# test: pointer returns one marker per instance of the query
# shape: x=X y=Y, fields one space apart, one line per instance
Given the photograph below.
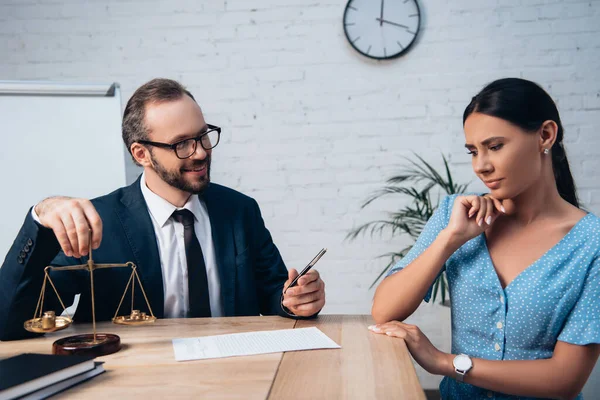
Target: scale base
x=106 y=343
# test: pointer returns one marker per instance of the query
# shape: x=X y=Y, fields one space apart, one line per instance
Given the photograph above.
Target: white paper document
x=249 y=343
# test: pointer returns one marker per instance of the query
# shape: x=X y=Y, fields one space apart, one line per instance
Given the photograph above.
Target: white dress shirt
x=171 y=249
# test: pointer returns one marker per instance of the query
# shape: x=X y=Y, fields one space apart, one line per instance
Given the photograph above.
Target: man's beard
x=176 y=178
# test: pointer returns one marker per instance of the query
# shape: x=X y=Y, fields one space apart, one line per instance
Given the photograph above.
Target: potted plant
x=419 y=182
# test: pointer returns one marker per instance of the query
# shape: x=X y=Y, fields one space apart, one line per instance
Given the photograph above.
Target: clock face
x=381 y=29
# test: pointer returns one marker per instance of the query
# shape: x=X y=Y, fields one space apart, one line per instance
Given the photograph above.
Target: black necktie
x=197 y=280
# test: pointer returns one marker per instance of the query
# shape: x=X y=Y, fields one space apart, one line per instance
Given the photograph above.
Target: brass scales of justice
x=96 y=344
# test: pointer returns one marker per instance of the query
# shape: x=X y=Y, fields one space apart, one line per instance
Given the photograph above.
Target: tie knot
x=186 y=217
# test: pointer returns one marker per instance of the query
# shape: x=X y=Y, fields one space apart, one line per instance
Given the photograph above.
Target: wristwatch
x=462 y=364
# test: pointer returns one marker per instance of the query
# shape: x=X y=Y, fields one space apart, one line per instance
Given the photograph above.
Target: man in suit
x=201 y=249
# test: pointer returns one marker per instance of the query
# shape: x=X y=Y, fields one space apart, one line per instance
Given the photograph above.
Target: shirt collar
x=161 y=210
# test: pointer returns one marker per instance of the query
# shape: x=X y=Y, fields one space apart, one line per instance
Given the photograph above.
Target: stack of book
x=37 y=376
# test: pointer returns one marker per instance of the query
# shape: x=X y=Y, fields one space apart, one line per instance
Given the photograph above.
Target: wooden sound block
x=105 y=343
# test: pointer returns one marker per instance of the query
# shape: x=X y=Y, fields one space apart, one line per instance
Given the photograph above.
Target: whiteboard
x=56 y=139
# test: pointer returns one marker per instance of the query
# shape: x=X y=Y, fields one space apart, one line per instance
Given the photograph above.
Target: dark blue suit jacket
x=250 y=267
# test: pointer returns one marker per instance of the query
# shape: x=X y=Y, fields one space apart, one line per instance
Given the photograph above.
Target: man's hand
x=307 y=297
x=72 y=220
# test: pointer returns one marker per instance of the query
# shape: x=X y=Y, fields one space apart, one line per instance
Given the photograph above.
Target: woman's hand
x=426 y=354
x=472 y=215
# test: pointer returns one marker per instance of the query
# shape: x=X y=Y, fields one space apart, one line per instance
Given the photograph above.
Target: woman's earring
x=546 y=151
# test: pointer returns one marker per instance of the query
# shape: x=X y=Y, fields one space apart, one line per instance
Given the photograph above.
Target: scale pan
x=35 y=325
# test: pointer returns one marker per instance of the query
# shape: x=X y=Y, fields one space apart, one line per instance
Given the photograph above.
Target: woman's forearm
x=399 y=295
x=532 y=378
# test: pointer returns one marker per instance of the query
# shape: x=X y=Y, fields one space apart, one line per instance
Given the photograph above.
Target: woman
x=522 y=263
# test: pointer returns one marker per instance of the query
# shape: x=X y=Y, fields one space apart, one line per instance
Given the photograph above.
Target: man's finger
x=292 y=274
x=61 y=235
x=71 y=230
x=296 y=301
x=311 y=308
x=83 y=230
x=310 y=276
x=304 y=289
x=94 y=222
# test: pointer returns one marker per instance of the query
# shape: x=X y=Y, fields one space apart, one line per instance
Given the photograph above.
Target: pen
x=306 y=269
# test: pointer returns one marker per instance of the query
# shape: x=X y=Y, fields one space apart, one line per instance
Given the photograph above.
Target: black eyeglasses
x=187 y=147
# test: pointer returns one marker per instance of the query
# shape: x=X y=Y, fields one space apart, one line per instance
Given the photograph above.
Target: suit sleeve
x=22 y=275
x=270 y=270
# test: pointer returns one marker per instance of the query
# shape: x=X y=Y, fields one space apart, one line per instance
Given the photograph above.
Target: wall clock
x=382 y=29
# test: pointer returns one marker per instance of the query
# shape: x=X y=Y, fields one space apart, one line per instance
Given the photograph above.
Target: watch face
x=462 y=362
x=381 y=29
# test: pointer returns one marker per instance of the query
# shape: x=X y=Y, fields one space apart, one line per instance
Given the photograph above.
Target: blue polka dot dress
x=555 y=298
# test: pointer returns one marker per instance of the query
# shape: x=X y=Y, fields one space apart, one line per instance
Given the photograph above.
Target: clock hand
x=381 y=21
x=381 y=15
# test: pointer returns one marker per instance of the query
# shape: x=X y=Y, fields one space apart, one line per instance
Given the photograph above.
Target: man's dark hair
x=156 y=91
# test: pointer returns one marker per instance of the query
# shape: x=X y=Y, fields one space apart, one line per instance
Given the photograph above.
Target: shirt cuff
x=34 y=215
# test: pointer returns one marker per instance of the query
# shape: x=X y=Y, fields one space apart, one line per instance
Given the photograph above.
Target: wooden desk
x=368 y=366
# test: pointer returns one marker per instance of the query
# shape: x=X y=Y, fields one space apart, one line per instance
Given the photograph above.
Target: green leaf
x=436 y=286
x=393 y=259
x=416 y=183
x=441 y=277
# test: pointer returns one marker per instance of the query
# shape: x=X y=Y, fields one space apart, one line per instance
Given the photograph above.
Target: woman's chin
x=498 y=194
x=506 y=198
x=508 y=204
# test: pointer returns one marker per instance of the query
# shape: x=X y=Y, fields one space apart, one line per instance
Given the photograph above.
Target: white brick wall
x=310 y=128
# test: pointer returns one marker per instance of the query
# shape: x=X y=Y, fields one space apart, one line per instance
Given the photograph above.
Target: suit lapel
x=222 y=235
x=139 y=231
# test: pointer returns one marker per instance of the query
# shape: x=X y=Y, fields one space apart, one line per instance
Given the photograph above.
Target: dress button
x=23 y=254
x=497 y=347
x=490 y=394
x=26 y=248
x=499 y=325
x=501 y=299
x=29 y=242
x=20 y=260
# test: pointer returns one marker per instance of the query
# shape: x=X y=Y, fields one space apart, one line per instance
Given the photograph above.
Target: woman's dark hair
x=526 y=105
